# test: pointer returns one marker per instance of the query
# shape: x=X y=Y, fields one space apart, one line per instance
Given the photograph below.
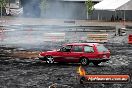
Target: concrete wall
x=65 y=10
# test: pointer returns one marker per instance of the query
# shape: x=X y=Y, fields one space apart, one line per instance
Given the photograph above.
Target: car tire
x=49 y=59
x=96 y=63
x=84 y=61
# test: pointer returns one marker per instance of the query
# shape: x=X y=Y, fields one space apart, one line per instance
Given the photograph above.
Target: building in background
x=13 y=4
x=14 y=7
x=31 y=8
x=116 y=9
x=56 y=9
x=66 y=9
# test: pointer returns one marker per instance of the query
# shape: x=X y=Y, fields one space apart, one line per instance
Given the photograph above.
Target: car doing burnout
x=83 y=53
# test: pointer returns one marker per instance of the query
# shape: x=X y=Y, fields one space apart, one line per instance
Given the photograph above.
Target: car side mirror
x=59 y=50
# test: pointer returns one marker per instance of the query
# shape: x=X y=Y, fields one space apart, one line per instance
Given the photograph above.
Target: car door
x=64 y=51
x=58 y=56
x=75 y=54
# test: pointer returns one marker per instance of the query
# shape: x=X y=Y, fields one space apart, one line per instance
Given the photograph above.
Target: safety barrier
x=97 y=38
x=130 y=39
x=54 y=37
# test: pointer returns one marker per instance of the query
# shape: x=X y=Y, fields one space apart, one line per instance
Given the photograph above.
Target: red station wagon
x=83 y=53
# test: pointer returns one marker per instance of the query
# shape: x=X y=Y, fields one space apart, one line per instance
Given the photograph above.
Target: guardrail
x=130 y=39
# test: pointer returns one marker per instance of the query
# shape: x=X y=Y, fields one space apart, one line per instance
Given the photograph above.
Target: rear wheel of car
x=84 y=61
x=49 y=59
x=96 y=63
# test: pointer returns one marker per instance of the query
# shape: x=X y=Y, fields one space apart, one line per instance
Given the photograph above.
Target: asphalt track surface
x=16 y=72
x=26 y=72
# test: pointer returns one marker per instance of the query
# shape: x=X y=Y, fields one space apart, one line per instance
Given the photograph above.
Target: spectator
x=112 y=18
x=117 y=18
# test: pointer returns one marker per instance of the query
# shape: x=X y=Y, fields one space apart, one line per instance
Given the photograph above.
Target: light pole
x=1 y=21
x=9 y=2
x=1 y=10
x=124 y=18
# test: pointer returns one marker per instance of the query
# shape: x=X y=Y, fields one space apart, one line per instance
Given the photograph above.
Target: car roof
x=90 y=44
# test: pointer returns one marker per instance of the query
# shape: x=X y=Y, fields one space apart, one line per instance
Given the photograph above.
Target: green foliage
x=43 y=5
x=89 y=6
x=3 y=3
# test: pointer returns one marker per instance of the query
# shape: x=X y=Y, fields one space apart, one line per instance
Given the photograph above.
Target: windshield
x=101 y=48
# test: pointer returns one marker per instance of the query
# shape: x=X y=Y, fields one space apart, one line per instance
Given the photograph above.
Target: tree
x=89 y=7
x=43 y=5
x=3 y=4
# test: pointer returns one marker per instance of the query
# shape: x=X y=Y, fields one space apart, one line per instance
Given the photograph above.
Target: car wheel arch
x=48 y=55
x=83 y=57
x=84 y=61
x=49 y=60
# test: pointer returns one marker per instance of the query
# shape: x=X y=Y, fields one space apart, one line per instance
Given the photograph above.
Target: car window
x=101 y=48
x=66 y=48
x=77 y=48
x=88 y=49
